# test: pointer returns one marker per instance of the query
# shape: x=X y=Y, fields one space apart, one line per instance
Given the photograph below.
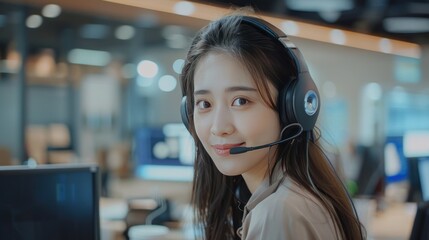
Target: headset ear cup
x=293 y=105
x=282 y=107
x=184 y=112
x=286 y=106
x=306 y=102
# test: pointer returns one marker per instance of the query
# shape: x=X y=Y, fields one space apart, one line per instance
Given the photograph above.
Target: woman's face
x=229 y=112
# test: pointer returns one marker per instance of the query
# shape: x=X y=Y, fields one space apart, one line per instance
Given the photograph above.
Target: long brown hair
x=216 y=206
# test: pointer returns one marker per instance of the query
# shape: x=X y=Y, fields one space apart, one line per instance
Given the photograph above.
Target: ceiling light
x=338 y=37
x=34 y=21
x=184 y=8
x=373 y=91
x=415 y=143
x=51 y=11
x=178 y=65
x=89 y=57
x=306 y=30
x=167 y=83
x=290 y=27
x=317 y=5
x=147 y=68
x=125 y=32
x=406 y=24
x=385 y=45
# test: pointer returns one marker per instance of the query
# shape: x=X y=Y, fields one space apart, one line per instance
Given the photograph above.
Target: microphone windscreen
x=238 y=150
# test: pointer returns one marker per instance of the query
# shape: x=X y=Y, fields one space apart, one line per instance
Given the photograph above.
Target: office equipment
x=419 y=179
x=49 y=202
x=420 y=230
x=395 y=163
x=416 y=149
x=416 y=143
x=370 y=179
x=164 y=153
x=424 y=177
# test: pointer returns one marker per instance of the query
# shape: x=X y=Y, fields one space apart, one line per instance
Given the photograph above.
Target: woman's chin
x=229 y=169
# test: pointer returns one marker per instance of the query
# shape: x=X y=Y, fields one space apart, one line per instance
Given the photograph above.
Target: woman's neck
x=255 y=177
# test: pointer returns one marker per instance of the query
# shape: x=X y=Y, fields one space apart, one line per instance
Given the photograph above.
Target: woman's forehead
x=220 y=69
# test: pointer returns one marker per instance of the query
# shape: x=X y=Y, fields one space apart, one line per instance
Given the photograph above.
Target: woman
x=259 y=170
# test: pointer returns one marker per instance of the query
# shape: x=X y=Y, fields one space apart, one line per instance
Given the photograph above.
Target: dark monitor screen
x=370 y=180
x=423 y=166
x=420 y=230
x=419 y=179
x=49 y=202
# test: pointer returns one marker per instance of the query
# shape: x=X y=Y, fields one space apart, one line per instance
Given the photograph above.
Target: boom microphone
x=238 y=150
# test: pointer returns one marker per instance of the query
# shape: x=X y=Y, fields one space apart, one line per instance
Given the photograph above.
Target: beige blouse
x=283 y=210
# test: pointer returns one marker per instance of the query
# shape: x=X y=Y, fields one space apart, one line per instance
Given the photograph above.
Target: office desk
x=112 y=223
x=112 y=214
x=395 y=223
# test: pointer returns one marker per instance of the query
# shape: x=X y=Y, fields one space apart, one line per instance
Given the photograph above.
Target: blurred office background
x=97 y=81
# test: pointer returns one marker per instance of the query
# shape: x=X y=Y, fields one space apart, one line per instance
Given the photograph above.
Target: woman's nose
x=221 y=123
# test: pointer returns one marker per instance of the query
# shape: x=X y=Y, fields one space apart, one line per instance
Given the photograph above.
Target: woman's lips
x=223 y=149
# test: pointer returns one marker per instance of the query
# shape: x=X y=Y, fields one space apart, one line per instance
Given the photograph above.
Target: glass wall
x=87 y=82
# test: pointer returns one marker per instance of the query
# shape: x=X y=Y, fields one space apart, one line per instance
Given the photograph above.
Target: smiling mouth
x=223 y=150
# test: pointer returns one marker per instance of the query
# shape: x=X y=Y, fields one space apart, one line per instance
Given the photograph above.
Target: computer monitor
x=420 y=230
x=418 y=179
x=416 y=149
x=395 y=162
x=164 y=153
x=424 y=177
x=370 y=180
x=49 y=202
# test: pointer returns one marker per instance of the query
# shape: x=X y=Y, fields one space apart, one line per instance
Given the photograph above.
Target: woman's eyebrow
x=241 y=88
x=230 y=89
x=201 y=92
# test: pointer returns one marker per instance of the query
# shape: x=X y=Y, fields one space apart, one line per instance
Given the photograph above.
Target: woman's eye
x=203 y=104
x=240 y=101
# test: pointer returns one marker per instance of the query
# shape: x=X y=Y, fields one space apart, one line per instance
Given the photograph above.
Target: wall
x=349 y=69
x=9 y=115
x=47 y=104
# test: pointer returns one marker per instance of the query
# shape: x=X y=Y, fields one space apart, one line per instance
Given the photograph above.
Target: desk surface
x=394 y=223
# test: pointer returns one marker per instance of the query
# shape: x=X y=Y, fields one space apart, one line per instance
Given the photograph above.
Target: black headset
x=299 y=101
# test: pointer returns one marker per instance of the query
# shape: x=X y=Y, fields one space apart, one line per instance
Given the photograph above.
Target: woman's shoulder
x=292 y=201
x=300 y=214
